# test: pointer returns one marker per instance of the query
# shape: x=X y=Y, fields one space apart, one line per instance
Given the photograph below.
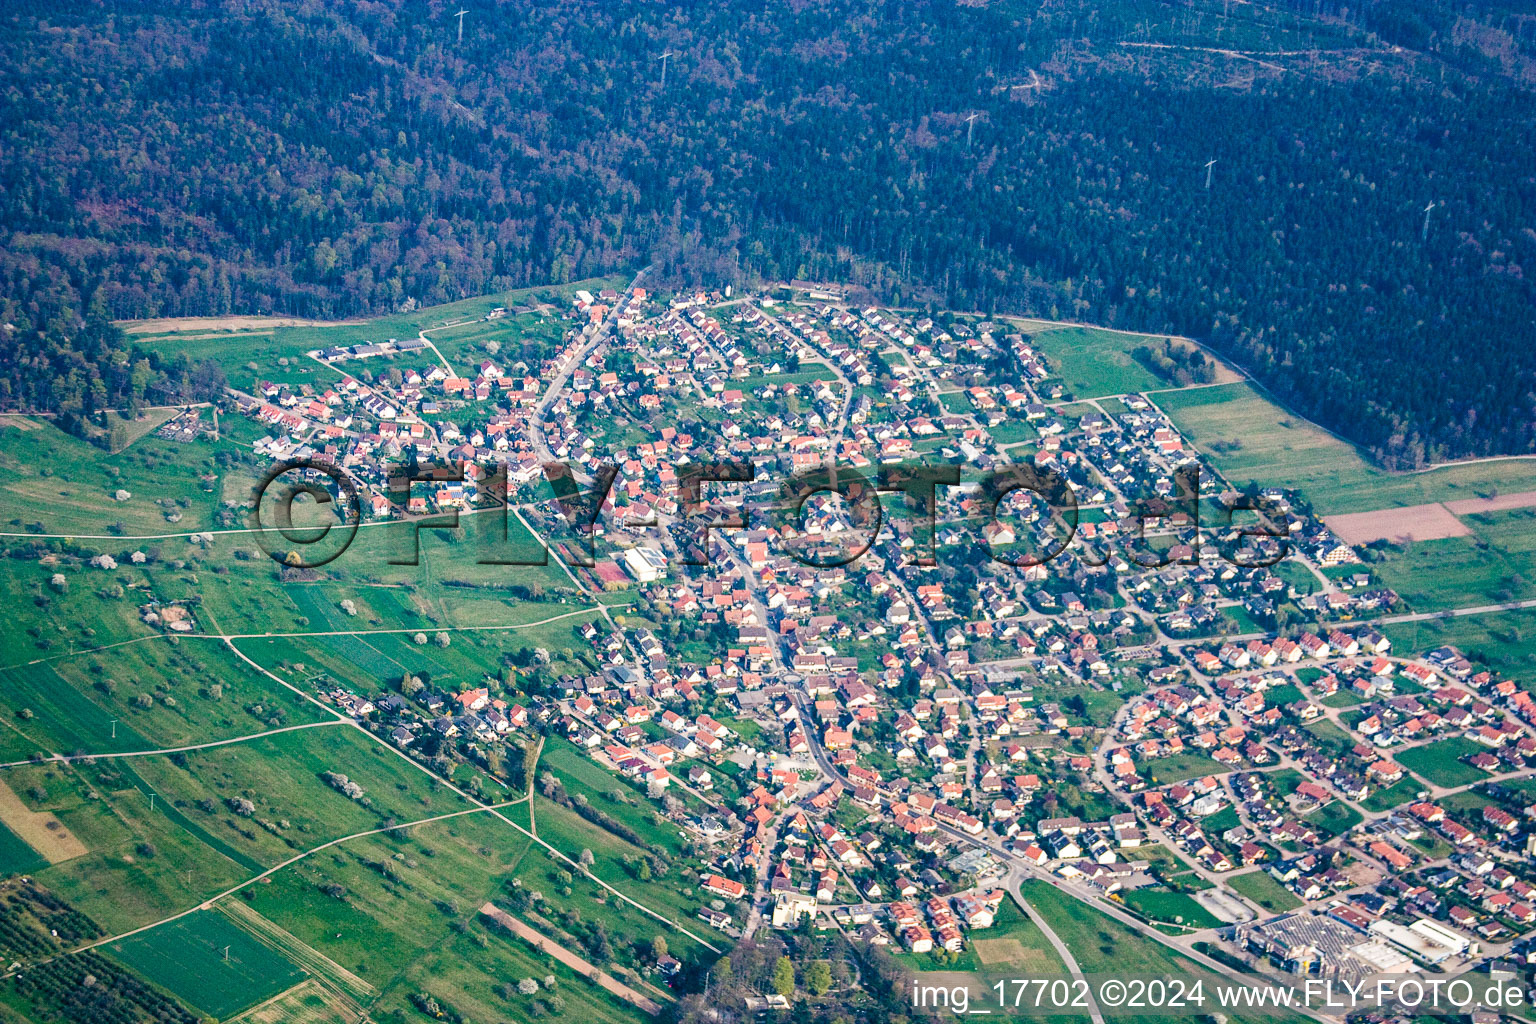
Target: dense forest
x=328 y=159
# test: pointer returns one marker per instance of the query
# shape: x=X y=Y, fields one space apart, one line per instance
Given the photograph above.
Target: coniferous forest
x=330 y=159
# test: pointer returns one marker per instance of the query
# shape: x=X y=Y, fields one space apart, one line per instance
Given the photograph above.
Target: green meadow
x=208 y=962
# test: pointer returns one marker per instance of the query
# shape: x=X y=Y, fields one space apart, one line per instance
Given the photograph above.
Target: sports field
x=210 y=963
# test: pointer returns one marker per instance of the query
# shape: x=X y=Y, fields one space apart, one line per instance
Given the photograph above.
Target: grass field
x=309 y=1003
x=569 y=833
x=1438 y=762
x=266 y=345
x=1504 y=641
x=68 y=485
x=1103 y=945
x=476 y=974
x=404 y=919
x=198 y=692
x=1495 y=565
x=1093 y=362
x=1178 y=767
x=133 y=429
x=146 y=863
x=1398 y=793
x=16 y=857
x=1248 y=437
x=1263 y=890
x=1163 y=860
x=1171 y=907
x=610 y=795
x=240 y=591
x=1467 y=802
x=1329 y=734
x=1335 y=819
x=529 y=338
x=1014 y=944
x=280 y=775
x=208 y=962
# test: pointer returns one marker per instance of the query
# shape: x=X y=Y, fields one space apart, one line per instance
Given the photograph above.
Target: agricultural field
x=208 y=962
x=395 y=915
x=233 y=343
x=16 y=857
x=164 y=692
x=1248 y=437
x=160 y=834
x=476 y=973
x=308 y=1003
x=33 y=838
x=615 y=861
x=1494 y=563
x=248 y=356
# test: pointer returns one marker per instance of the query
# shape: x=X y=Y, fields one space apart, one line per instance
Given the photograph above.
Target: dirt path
x=545 y=945
x=1473 y=506
x=70 y=758
x=166 y=325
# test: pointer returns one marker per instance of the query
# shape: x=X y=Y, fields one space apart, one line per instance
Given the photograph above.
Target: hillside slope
x=338 y=159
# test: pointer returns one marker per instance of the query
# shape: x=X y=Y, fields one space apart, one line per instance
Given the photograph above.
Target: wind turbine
x=1424 y=235
x=970 y=125
x=460 y=16
x=1208 y=165
x=663 y=59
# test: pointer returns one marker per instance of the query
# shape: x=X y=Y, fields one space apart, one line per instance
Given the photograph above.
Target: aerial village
x=890 y=743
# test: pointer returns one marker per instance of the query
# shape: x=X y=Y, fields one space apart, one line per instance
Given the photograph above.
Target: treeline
x=1183 y=365
x=74 y=365
x=337 y=160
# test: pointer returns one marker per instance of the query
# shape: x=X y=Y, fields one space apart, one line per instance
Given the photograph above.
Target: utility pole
x=114 y=728
x=663 y=59
x=970 y=125
x=1208 y=165
x=1424 y=235
x=151 y=803
x=460 y=16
